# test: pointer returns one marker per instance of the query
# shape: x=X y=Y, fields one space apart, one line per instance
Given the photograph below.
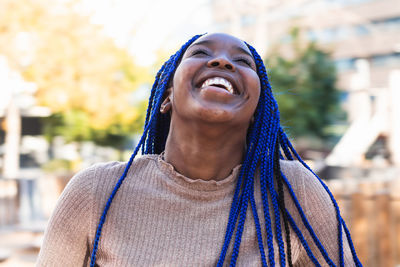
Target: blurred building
x=363 y=37
x=20 y=122
x=350 y=29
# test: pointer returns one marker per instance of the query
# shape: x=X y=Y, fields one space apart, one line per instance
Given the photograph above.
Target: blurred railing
x=371 y=209
x=26 y=201
x=9 y=202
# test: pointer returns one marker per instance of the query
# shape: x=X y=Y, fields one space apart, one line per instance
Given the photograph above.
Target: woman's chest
x=171 y=233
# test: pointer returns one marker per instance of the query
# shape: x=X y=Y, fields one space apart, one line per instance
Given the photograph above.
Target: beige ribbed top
x=161 y=218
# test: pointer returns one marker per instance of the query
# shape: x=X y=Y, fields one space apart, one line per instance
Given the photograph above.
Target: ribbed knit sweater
x=162 y=218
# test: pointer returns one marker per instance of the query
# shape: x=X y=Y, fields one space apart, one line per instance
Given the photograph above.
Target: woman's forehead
x=222 y=39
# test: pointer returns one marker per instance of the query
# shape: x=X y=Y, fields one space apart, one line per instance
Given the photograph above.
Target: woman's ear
x=167 y=103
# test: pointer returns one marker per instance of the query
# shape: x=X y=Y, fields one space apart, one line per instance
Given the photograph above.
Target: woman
x=212 y=187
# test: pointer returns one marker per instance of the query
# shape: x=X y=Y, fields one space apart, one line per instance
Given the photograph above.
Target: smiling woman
x=214 y=159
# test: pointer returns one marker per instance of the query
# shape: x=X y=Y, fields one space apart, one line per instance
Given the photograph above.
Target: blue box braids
x=265 y=140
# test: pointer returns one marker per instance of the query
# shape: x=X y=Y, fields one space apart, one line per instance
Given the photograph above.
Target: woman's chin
x=216 y=114
x=215 y=111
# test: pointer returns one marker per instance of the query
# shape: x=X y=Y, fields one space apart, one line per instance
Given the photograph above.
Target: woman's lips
x=219 y=82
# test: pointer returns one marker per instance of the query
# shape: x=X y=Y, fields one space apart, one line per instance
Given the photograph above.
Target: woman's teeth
x=219 y=81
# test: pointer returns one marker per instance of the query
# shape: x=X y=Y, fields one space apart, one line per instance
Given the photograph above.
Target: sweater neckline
x=197 y=184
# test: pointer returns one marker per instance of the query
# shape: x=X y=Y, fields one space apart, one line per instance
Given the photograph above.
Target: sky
x=147 y=26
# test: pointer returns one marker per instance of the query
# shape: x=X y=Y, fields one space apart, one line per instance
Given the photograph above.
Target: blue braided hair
x=266 y=144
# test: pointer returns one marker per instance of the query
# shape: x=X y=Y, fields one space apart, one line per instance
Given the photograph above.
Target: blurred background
x=75 y=76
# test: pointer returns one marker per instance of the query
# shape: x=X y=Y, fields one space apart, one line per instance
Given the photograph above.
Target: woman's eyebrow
x=204 y=42
x=243 y=51
x=210 y=42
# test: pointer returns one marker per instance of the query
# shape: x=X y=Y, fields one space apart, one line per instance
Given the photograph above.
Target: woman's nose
x=221 y=62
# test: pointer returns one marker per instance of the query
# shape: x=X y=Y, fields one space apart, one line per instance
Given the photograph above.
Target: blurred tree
x=82 y=76
x=304 y=85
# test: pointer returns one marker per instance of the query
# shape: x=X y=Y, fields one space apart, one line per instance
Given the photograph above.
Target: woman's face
x=216 y=81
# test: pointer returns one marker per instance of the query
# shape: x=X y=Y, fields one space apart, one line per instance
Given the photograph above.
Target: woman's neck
x=207 y=154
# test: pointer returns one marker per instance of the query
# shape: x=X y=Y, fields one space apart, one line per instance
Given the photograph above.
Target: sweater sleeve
x=321 y=214
x=66 y=237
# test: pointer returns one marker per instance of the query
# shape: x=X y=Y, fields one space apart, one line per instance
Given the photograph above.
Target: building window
x=361 y=30
x=345 y=64
x=389 y=60
x=311 y=35
x=328 y=35
x=387 y=24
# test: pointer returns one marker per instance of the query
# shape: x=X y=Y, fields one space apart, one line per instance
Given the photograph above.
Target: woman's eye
x=199 y=52
x=244 y=60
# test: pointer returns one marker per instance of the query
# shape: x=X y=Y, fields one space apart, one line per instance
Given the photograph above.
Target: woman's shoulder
x=77 y=211
x=291 y=167
x=295 y=171
x=309 y=189
x=117 y=166
x=111 y=167
x=306 y=185
x=296 y=174
x=104 y=174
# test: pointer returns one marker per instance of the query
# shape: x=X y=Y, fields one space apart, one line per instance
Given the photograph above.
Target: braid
x=265 y=139
x=278 y=177
x=270 y=118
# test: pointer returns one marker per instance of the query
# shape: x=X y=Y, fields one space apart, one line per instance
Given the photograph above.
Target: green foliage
x=58 y=165
x=304 y=86
x=74 y=125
